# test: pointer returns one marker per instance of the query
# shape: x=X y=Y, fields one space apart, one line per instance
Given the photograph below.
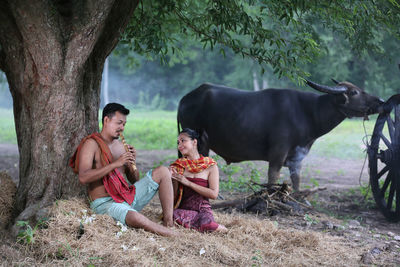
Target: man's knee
x=161 y=173
x=133 y=219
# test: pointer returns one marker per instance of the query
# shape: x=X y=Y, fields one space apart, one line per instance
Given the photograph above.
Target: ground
x=340 y=209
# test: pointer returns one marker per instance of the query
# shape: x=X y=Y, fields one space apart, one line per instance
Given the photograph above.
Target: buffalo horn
x=333 y=80
x=327 y=89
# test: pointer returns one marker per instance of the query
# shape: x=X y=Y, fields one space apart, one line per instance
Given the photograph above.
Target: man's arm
x=88 y=172
x=132 y=175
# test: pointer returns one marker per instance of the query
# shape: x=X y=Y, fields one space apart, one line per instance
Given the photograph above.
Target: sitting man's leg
x=158 y=179
x=126 y=214
x=137 y=220
x=146 y=188
x=162 y=176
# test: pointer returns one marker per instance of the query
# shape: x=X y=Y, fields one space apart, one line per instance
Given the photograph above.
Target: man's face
x=115 y=125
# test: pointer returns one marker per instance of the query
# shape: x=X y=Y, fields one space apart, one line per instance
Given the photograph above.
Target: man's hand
x=126 y=158
x=133 y=151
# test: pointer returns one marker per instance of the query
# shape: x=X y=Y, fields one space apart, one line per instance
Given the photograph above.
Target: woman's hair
x=202 y=140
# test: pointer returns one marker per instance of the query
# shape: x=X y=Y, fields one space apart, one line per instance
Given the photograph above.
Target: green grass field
x=152 y=129
x=347 y=140
x=7 y=128
x=158 y=130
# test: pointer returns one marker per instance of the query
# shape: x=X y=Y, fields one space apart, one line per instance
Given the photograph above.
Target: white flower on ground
x=202 y=251
x=124 y=247
x=123 y=227
x=87 y=219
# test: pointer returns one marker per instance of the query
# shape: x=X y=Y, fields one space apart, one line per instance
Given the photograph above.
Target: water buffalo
x=275 y=125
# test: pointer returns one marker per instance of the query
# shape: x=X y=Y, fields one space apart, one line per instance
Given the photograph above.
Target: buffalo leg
x=273 y=174
x=295 y=175
x=275 y=165
x=294 y=169
x=293 y=162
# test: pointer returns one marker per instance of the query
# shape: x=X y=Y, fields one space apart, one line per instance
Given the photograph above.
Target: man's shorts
x=146 y=188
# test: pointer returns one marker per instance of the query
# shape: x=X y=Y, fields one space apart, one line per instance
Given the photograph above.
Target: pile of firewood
x=270 y=199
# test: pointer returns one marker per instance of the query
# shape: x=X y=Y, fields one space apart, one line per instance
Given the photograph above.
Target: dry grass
x=250 y=241
x=7 y=192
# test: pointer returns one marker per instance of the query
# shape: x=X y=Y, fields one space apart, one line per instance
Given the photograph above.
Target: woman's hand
x=179 y=177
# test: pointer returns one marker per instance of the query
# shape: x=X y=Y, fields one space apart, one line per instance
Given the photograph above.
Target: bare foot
x=168 y=231
x=174 y=233
x=221 y=229
x=169 y=224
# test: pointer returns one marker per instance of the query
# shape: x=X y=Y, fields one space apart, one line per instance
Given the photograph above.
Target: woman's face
x=186 y=145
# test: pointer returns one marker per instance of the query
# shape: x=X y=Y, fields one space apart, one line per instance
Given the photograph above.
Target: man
x=101 y=160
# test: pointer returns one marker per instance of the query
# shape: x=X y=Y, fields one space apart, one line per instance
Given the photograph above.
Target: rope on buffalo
x=366 y=143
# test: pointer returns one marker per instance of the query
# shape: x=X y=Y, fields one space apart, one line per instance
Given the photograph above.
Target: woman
x=195 y=179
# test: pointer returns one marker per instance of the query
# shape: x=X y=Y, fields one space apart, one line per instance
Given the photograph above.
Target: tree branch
x=221 y=40
x=105 y=20
x=267 y=46
x=116 y=23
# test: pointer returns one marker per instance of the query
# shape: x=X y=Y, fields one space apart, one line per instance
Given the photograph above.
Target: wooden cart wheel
x=385 y=173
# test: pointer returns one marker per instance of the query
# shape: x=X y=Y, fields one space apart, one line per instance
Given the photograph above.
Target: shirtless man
x=91 y=170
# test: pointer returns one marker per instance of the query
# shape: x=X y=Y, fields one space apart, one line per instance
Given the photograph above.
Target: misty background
x=144 y=82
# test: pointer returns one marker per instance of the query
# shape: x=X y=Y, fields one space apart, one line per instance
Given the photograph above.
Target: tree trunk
x=53 y=54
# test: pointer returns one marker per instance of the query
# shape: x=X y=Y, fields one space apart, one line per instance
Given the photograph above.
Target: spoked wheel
x=384 y=160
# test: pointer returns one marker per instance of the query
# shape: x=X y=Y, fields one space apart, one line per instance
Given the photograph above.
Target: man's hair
x=110 y=109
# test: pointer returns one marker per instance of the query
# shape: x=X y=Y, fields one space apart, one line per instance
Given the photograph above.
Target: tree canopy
x=282 y=34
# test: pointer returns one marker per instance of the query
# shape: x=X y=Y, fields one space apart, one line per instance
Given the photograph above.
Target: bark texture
x=53 y=52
